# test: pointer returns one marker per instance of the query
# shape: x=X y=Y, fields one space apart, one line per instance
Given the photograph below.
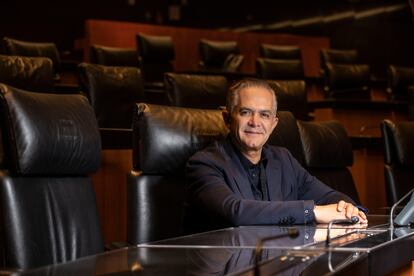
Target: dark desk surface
x=374 y=250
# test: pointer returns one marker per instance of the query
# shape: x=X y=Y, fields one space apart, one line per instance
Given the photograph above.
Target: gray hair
x=234 y=91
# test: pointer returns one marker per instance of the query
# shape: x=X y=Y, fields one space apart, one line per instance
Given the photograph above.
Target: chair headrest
x=28 y=73
x=344 y=76
x=214 y=53
x=279 y=69
x=155 y=48
x=196 y=91
x=112 y=92
x=398 y=142
x=166 y=137
x=48 y=134
x=113 y=56
x=280 y=51
x=325 y=144
x=339 y=56
x=399 y=78
x=32 y=49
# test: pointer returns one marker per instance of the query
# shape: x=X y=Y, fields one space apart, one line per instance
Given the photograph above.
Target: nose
x=254 y=119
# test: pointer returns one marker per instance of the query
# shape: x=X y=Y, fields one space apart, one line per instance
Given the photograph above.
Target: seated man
x=242 y=181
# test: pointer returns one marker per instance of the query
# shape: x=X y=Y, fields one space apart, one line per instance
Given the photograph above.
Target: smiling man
x=243 y=181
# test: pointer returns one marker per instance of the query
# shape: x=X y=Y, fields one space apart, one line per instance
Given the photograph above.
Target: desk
x=372 y=250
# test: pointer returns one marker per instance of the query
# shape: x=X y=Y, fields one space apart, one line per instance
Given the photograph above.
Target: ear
x=226 y=117
x=275 y=121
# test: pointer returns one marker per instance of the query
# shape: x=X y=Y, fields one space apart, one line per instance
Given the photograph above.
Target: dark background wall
x=382 y=31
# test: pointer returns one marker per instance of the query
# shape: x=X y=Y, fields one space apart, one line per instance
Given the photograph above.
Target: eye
x=265 y=114
x=245 y=112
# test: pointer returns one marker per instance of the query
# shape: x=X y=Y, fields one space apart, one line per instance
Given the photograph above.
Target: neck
x=253 y=156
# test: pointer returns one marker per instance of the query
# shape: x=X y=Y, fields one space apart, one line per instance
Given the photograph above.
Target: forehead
x=256 y=97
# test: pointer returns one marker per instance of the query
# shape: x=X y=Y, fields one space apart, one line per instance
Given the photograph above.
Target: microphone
x=291 y=233
x=352 y=220
x=406 y=213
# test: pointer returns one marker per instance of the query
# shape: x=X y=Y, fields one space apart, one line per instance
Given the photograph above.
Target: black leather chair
x=33 y=49
x=291 y=96
x=114 y=56
x=278 y=69
x=196 y=91
x=27 y=73
x=337 y=56
x=284 y=52
x=48 y=211
x=399 y=158
x=164 y=138
x=328 y=154
x=156 y=56
x=347 y=81
x=112 y=92
x=400 y=80
x=219 y=56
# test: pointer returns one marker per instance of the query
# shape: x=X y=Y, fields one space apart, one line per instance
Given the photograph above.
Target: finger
x=351 y=211
x=341 y=205
x=363 y=216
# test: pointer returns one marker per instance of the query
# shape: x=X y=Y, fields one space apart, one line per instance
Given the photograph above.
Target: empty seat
x=156 y=55
x=27 y=73
x=112 y=92
x=400 y=80
x=291 y=96
x=114 y=56
x=48 y=211
x=398 y=157
x=338 y=56
x=278 y=69
x=32 y=49
x=280 y=52
x=219 y=56
x=328 y=154
x=196 y=91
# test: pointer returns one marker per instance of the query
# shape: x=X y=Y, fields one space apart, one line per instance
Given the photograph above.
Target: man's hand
x=341 y=210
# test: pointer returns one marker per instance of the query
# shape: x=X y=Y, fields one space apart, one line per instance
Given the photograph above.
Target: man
x=242 y=181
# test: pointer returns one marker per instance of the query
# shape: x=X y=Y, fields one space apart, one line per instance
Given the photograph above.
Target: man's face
x=253 y=119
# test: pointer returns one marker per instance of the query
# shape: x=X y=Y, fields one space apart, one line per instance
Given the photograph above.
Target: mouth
x=250 y=132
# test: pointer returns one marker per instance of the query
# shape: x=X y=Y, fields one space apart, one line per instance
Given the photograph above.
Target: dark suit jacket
x=219 y=192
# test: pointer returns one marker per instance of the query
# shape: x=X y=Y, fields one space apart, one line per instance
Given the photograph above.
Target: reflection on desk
x=232 y=251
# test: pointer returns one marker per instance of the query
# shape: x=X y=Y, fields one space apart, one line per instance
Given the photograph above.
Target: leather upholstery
x=32 y=49
x=291 y=96
x=280 y=52
x=399 y=80
x=196 y=91
x=398 y=158
x=328 y=153
x=164 y=138
x=338 y=56
x=113 y=56
x=28 y=73
x=347 y=80
x=157 y=54
x=112 y=92
x=47 y=203
x=215 y=53
x=278 y=69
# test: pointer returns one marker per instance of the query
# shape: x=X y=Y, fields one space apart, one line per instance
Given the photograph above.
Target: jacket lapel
x=274 y=177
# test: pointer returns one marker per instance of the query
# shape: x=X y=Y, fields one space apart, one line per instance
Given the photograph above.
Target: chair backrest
x=328 y=154
x=165 y=137
x=48 y=210
x=398 y=157
x=399 y=80
x=27 y=73
x=32 y=49
x=113 y=56
x=112 y=92
x=338 y=56
x=291 y=96
x=156 y=54
x=278 y=69
x=219 y=55
x=196 y=91
x=347 y=81
x=280 y=51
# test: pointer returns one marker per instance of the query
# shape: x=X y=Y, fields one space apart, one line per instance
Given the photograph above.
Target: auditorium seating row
x=344 y=76
x=51 y=144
